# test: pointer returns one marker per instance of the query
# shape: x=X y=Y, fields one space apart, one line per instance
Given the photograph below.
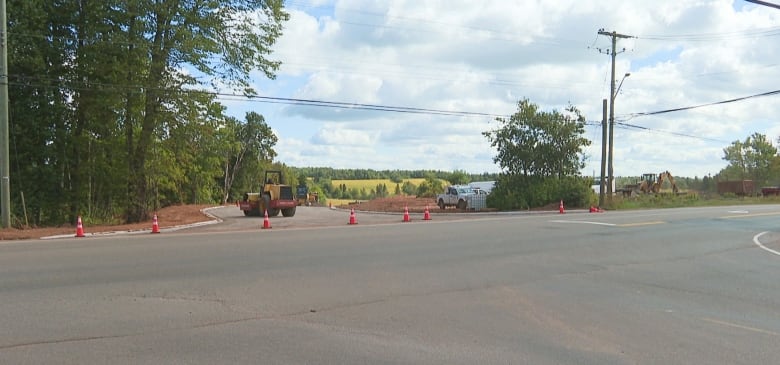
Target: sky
x=479 y=59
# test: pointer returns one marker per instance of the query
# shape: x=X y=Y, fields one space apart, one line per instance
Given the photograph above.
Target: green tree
x=538 y=143
x=430 y=187
x=751 y=159
x=541 y=155
x=103 y=104
x=253 y=140
x=223 y=40
x=459 y=177
x=408 y=188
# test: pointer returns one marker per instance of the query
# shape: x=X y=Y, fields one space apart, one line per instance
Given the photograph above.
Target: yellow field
x=337 y=202
x=370 y=184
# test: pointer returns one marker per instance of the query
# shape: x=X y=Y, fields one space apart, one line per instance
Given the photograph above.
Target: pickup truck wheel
x=441 y=204
x=462 y=204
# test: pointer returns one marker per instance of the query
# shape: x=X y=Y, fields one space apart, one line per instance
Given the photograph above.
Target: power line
x=281 y=100
x=714 y=37
x=769 y=93
x=494 y=34
x=353 y=106
x=633 y=126
x=759 y=2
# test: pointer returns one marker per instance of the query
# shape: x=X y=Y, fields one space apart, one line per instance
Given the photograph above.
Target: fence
x=478 y=202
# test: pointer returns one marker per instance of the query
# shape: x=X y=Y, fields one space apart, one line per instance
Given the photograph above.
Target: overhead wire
x=715 y=37
x=678 y=134
x=271 y=99
x=768 y=32
x=734 y=100
x=408 y=110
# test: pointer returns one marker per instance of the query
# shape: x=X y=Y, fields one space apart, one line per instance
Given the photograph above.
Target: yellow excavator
x=651 y=183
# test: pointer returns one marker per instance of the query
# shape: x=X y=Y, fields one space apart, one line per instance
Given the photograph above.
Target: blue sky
x=457 y=56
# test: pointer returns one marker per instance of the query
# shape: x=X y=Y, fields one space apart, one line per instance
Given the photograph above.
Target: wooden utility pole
x=613 y=52
x=5 y=181
x=603 y=184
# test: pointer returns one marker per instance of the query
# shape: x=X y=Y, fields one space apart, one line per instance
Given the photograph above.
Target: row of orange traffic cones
x=80 y=226
x=592 y=209
x=406 y=219
x=352 y=219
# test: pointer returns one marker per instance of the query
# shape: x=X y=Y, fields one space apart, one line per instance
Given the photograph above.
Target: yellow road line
x=640 y=224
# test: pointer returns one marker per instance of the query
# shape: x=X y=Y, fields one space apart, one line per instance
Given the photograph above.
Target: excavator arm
x=667 y=175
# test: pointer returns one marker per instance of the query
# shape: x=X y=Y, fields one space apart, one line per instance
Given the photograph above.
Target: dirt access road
x=378 y=211
x=233 y=218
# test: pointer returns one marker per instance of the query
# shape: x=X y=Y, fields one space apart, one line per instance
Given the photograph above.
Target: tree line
x=108 y=114
x=397 y=176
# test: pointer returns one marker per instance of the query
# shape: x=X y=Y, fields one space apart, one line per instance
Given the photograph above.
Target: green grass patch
x=646 y=201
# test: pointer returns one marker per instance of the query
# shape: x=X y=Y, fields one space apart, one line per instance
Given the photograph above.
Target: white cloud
x=484 y=57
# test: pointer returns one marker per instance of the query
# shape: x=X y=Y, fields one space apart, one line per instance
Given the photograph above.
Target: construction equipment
x=737 y=187
x=307 y=198
x=650 y=184
x=275 y=197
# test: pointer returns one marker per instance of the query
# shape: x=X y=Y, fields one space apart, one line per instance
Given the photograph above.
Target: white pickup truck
x=455 y=196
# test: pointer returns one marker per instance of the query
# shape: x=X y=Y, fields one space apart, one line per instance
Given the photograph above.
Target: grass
x=686 y=200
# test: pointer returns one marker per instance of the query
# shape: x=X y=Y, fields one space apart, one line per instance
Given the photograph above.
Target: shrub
x=525 y=192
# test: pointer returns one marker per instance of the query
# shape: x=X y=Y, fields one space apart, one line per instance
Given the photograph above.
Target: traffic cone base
x=155 y=225
x=352 y=218
x=266 y=221
x=79 y=228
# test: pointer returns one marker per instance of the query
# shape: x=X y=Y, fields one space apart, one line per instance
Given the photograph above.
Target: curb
x=214 y=220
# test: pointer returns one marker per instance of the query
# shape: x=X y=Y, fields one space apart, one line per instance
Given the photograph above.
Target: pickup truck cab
x=455 y=196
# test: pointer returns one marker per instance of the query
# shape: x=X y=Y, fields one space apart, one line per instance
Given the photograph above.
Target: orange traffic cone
x=427 y=214
x=79 y=228
x=560 y=208
x=266 y=222
x=406 y=214
x=155 y=224
x=352 y=218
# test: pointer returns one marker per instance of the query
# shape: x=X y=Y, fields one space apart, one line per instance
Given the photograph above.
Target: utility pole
x=5 y=161
x=603 y=183
x=613 y=52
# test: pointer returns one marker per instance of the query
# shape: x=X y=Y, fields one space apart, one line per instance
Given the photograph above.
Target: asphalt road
x=233 y=219
x=676 y=286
